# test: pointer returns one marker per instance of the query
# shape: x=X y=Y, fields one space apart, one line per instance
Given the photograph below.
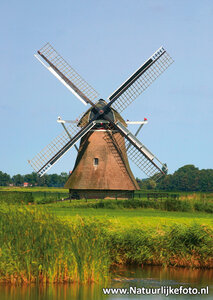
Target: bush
x=207 y=207
x=177 y=205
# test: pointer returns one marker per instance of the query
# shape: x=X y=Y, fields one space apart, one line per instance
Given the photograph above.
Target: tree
x=206 y=180
x=44 y=180
x=151 y=184
x=186 y=178
x=31 y=178
x=165 y=183
x=4 y=179
x=18 y=179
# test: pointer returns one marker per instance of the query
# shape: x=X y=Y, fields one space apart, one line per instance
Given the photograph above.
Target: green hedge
x=177 y=205
x=16 y=197
x=29 y=197
x=207 y=207
x=169 y=204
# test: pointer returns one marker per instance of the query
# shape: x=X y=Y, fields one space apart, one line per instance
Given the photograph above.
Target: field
x=135 y=217
x=82 y=240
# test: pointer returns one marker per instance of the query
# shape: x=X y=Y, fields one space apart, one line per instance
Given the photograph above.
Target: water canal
x=147 y=277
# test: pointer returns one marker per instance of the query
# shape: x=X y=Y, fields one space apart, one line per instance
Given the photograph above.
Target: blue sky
x=106 y=41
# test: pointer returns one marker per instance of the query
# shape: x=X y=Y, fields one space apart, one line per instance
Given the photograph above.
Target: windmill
x=101 y=168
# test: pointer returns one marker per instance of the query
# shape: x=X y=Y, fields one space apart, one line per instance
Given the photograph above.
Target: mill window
x=95 y=162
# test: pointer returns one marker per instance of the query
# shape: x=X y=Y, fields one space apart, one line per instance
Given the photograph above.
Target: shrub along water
x=175 y=245
x=35 y=246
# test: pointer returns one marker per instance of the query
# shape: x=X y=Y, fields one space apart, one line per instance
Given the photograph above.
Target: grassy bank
x=149 y=236
x=37 y=246
x=175 y=245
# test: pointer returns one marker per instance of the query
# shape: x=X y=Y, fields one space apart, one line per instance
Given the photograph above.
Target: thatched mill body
x=102 y=168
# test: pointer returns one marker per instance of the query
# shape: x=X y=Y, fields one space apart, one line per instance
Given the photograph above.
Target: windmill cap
x=110 y=112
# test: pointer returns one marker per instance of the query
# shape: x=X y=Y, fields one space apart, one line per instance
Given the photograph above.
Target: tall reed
x=35 y=246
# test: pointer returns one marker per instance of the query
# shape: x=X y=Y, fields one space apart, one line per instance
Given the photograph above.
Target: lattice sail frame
x=79 y=87
x=142 y=162
x=140 y=80
x=42 y=158
x=144 y=159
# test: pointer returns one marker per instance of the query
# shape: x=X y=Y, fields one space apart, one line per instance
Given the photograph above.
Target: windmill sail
x=140 y=154
x=45 y=159
x=140 y=80
x=122 y=141
x=67 y=75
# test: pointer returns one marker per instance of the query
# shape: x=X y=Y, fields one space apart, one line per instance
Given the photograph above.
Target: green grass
x=134 y=217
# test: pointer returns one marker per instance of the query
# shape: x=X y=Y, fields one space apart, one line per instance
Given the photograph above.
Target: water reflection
x=184 y=275
x=155 y=277
x=123 y=277
x=51 y=292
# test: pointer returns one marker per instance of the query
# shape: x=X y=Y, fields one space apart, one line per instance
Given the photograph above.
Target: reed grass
x=36 y=246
